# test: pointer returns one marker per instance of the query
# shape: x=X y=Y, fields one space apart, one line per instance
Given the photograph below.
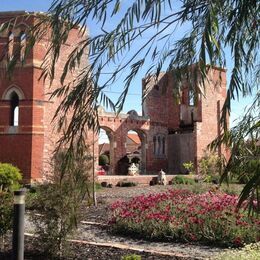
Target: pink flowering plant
x=180 y=215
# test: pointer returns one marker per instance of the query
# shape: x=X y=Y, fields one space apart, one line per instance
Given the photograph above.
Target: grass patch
x=198 y=188
x=131 y=257
x=249 y=252
x=183 y=180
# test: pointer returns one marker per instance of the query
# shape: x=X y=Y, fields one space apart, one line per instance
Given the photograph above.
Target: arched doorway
x=106 y=146
x=135 y=145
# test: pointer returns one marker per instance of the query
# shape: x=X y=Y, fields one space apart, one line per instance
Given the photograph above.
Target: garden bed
x=180 y=215
x=100 y=233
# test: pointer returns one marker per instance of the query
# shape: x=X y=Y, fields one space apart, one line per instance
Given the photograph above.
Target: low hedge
x=183 y=180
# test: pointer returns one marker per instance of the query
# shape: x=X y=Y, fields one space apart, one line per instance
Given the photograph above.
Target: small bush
x=9 y=177
x=189 y=166
x=6 y=214
x=126 y=184
x=103 y=160
x=210 y=166
x=211 y=179
x=98 y=186
x=59 y=203
x=131 y=257
x=32 y=198
x=183 y=180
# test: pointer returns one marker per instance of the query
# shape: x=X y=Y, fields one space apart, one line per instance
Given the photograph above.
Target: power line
x=118 y=92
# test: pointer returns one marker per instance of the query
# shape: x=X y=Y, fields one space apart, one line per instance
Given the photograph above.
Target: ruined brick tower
x=27 y=137
x=189 y=125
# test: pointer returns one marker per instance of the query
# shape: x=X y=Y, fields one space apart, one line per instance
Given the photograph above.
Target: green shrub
x=189 y=166
x=59 y=203
x=9 y=177
x=103 y=160
x=126 y=184
x=32 y=198
x=183 y=180
x=210 y=166
x=98 y=186
x=6 y=214
x=131 y=257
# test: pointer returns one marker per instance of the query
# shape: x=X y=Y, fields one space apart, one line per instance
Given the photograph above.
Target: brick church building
x=171 y=133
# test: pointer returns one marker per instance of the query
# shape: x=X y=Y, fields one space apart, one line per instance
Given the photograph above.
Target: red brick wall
x=209 y=129
x=16 y=141
x=119 y=127
x=164 y=113
x=32 y=145
x=16 y=149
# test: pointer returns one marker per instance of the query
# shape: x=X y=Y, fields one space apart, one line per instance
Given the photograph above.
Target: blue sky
x=134 y=98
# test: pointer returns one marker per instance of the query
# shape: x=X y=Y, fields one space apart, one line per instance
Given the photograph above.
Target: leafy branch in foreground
x=212 y=28
x=243 y=141
x=146 y=34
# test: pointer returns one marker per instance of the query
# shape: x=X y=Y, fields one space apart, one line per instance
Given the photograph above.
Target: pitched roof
x=103 y=147
x=135 y=138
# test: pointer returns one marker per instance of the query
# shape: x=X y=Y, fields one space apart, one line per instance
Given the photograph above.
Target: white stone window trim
x=7 y=95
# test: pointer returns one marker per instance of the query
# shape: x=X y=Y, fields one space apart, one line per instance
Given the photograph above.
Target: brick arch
x=16 y=29
x=111 y=136
x=22 y=25
x=13 y=88
x=142 y=134
x=119 y=125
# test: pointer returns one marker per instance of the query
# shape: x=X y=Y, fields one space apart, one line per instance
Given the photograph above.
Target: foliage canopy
x=214 y=31
x=9 y=177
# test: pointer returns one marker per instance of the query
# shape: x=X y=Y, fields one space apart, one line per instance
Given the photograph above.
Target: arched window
x=10 y=52
x=163 y=145
x=192 y=98
x=154 y=144
x=14 y=116
x=159 y=145
x=22 y=40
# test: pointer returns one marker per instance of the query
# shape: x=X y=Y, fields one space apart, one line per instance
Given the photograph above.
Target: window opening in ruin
x=163 y=145
x=10 y=52
x=159 y=145
x=14 y=109
x=135 y=144
x=191 y=98
x=22 y=39
x=154 y=145
x=105 y=150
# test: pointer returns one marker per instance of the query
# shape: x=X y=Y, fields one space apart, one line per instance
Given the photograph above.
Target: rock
x=104 y=184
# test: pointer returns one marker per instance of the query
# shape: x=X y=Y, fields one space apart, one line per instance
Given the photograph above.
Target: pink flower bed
x=180 y=215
